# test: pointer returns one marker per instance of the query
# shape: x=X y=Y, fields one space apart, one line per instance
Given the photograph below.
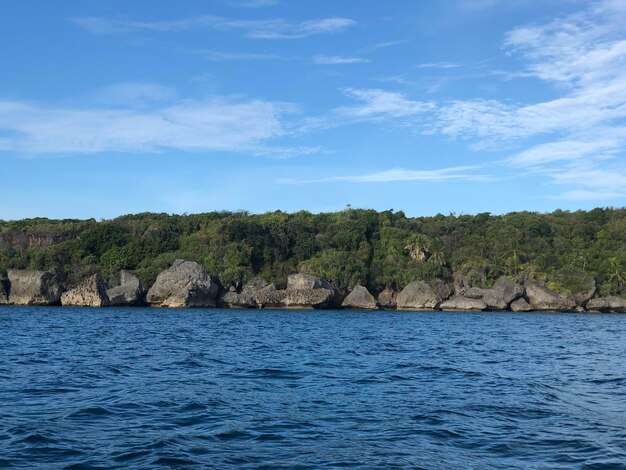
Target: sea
x=85 y=388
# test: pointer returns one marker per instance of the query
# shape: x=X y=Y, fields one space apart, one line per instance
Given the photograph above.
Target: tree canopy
x=350 y=247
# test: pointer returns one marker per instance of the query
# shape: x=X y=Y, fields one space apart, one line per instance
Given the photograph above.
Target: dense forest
x=374 y=249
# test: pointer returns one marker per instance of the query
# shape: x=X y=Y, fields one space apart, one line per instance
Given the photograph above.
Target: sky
x=457 y=106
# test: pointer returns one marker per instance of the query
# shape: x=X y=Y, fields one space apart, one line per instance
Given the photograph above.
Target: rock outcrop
x=607 y=304
x=499 y=297
x=387 y=299
x=302 y=281
x=520 y=305
x=129 y=292
x=247 y=298
x=303 y=291
x=543 y=299
x=459 y=302
x=360 y=298
x=420 y=295
x=295 y=298
x=461 y=282
x=89 y=293
x=4 y=293
x=184 y=284
x=35 y=287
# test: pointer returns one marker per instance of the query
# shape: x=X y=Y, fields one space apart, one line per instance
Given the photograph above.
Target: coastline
x=185 y=284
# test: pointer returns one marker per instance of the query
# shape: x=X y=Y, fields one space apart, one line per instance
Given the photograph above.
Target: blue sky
x=462 y=106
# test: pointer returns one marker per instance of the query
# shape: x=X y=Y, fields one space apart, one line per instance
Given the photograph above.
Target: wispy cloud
x=383 y=45
x=136 y=93
x=466 y=173
x=226 y=56
x=583 y=55
x=257 y=29
x=338 y=60
x=376 y=103
x=438 y=65
x=219 y=124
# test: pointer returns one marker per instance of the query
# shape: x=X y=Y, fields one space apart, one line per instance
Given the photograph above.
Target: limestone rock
x=184 y=284
x=607 y=304
x=307 y=281
x=308 y=298
x=499 y=297
x=387 y=299
x=360 y=298
x=247 y=298
x=543 y=299
x=420 y=295
x=35 y=287
x=271 y=298
x=520 y=305
x=295 y=298
x=129 y=292
x=461 y=282
x=303 y=291
x=89 y=293
x=458 y=302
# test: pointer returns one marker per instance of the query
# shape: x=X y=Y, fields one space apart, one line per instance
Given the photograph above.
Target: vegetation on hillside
x=375 y=249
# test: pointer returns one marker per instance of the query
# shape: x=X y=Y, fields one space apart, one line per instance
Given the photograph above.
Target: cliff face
x=23 y=240
x=89 y=293
x=35 y=287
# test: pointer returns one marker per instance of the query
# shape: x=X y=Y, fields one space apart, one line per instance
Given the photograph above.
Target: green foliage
x=350 y=247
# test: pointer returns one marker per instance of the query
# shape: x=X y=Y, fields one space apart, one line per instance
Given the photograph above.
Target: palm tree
x=417 y=247
x=437 y=256
x=617 y=273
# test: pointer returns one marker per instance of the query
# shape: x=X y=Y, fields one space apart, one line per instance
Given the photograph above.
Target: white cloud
x=466 y=173
x=134 y=92
x=437 y=65
x=218 y=124
x=383 y=45
x=600 y=146
x=338 y=60
x=225 y=56
x=583 y=56
x=258 y=29
x=376 y=103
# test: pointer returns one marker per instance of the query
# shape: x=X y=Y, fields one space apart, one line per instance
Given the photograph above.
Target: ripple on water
x=139 y=388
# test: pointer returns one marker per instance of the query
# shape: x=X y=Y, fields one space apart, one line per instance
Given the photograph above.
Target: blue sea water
x=158 y=388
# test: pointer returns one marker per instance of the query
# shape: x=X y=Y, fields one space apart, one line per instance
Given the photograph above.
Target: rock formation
x=360 y=298
x=129 y=292
x=387 y=299
x=420 y=295
x=303 y=291
x=607 y=304
x=520 y=305
x=247 y=298
x=35 y=287
x=543 y=299
x=307 y=281
x=184 y=284
x=499 y=297
x=459 y=302
x=89 y=293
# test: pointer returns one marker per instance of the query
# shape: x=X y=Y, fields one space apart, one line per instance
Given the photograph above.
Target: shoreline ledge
x=187 y=284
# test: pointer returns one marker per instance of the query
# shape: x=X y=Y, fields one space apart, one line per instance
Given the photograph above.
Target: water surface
x=118 y=388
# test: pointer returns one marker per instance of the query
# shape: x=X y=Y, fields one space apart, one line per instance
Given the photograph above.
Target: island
x=352 y=259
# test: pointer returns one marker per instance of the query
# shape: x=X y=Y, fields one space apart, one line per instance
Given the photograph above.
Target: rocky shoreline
x=187 y=284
